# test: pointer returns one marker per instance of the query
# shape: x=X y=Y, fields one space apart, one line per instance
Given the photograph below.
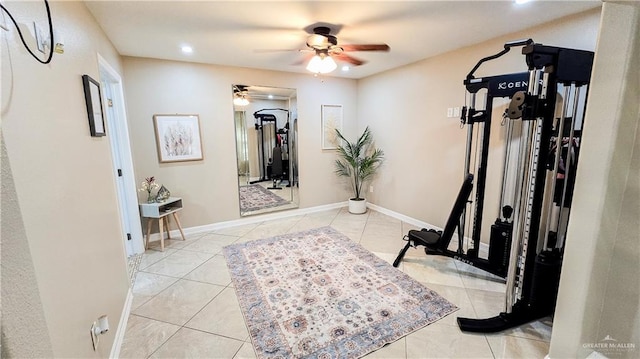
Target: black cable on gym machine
x=528 y=248
x=261 y=120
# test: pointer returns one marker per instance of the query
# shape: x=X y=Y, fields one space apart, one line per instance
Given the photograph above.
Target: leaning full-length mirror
x=266 y=145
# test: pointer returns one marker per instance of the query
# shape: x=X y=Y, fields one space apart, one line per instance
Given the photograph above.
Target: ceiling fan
x=240 y=95
x=323 y=49
x=326 y=49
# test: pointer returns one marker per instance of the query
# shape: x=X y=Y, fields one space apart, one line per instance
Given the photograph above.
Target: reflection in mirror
x=266 y=134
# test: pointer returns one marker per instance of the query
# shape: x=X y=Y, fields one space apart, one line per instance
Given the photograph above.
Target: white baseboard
x=298 y=212
x=402 y=217
x=122 y=326
x=250 y=220
x=418 y=223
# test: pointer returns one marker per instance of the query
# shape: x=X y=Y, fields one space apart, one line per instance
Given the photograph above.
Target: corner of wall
x=24 y=329
x=592 y=305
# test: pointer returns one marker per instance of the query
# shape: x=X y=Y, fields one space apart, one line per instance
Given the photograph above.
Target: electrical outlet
x=449 y=112
x=42 y=41
x=371 y=189
x=456 y=112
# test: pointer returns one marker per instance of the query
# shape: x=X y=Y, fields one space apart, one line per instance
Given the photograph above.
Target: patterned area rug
x=317 y=294
x=254 y=197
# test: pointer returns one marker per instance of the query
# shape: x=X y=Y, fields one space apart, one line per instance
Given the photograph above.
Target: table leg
x=160 y=222
x=175 y=217
x=149 y=222
x=167 y=227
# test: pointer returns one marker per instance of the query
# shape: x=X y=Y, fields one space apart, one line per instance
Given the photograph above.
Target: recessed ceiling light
x=519 y=2
x=187 y=49
x=270 y=97
x=345 y=68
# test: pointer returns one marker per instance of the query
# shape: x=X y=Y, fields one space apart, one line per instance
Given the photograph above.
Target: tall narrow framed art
x=93 y=100
x=331 y=120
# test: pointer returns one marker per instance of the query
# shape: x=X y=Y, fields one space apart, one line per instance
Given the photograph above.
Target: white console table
x=161 y=212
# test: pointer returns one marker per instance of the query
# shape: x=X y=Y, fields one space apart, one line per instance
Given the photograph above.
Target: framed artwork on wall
x=178 y=138
x=93 y=99
x=331 y=120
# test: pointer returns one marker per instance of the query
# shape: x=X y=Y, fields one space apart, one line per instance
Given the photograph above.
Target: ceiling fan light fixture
x=321 y=64
x=240 y=101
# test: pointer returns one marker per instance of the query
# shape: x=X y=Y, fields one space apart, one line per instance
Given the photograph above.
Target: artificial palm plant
x=358 y=160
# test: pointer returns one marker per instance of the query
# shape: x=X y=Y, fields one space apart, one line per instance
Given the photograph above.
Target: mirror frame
x=275 y=138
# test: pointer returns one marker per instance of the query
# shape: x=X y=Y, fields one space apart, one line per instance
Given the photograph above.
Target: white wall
x=63 y=257
x=406 y=109
x=600 y=286
x=209 y=187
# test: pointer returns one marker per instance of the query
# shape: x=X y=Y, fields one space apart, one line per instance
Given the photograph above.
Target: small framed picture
x=178 y=138
x=93 y=99
x=331 y=120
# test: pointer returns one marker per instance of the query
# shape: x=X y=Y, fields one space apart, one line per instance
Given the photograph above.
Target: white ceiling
x=234 y=32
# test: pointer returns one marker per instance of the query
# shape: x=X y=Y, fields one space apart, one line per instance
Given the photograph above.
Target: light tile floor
x=184 y=304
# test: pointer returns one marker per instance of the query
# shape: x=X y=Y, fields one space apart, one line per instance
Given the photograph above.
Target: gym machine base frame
x=520 y=315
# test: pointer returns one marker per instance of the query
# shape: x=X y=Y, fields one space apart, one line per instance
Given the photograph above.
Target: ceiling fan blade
x=366 y=47
x=346 y=58
x=276 y=50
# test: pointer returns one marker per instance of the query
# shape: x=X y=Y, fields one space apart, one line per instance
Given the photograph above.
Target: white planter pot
x=357 y=207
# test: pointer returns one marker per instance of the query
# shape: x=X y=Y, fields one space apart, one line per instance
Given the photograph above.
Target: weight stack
x=545 y=282
x=500 y=245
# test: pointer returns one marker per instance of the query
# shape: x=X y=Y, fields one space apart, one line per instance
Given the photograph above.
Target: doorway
x=118 y=134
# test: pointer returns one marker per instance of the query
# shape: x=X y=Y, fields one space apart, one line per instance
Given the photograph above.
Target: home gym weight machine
x=436 y=242
x=275 y=166
x=545 y=164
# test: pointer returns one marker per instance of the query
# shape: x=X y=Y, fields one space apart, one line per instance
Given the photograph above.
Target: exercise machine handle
x=518 y=43
x=507 y=47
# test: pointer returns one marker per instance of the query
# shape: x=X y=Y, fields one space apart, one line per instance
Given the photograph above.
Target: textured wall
x=599 y=289
x=63 y=225
x=621 y=309
x=24 y=334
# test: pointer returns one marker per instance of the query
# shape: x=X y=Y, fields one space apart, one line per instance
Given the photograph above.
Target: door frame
x=122 y=158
